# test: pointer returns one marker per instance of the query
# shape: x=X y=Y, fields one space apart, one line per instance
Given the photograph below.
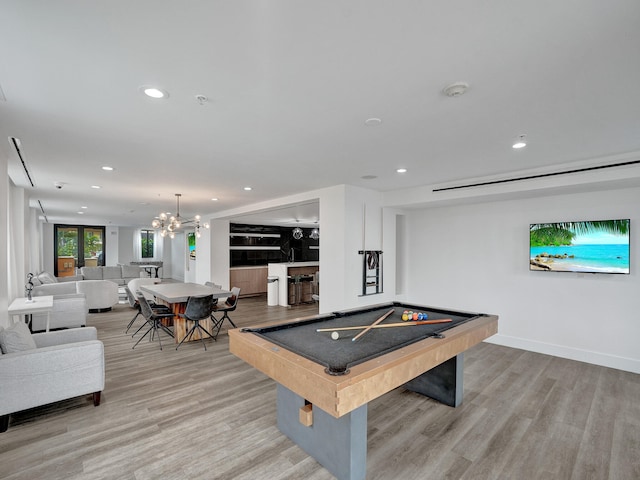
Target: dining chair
x=197 y=309
x=153 y=319
x=214 y=285
x=228 y=306
x=133 y=302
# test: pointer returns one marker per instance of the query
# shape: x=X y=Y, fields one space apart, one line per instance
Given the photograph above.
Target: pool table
x=324 y=385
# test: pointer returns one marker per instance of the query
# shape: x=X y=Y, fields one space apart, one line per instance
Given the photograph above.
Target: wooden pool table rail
x=338 y=395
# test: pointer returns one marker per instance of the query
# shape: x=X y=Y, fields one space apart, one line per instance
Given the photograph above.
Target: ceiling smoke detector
x=456 y=89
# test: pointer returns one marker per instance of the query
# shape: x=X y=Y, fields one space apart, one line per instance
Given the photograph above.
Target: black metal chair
x=197 y=309
x=133 y=302
x=228 y=306
x=214 y=285
x=153 y=319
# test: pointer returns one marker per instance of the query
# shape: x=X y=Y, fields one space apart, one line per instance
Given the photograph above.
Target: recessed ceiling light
x=153 y=92
x=401 y=170
x=521 y=142
x=214 y=199
x=83 y=207
x=80 y=213
x=247 y=188
x=107 y=168
x=372 y=122
x=96 y=186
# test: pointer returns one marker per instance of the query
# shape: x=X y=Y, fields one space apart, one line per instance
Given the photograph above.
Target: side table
x=20 y=306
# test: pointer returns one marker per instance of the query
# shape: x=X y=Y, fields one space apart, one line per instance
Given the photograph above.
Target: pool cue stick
x=387 y=325
x=373 y=325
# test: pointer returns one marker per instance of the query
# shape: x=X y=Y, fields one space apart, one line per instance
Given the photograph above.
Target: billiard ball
x=335 y=335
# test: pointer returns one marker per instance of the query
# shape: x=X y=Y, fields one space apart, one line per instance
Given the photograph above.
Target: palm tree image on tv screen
x=600 y=246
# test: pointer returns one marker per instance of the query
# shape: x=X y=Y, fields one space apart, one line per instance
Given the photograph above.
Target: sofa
x=69 y=311
x=48 y=367
x=120 y=274
x=100 y=295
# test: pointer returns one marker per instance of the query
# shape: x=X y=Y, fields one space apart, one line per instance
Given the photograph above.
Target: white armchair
x=65 y=364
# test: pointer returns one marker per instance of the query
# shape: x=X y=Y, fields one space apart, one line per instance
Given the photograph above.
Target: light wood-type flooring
x=196 y=414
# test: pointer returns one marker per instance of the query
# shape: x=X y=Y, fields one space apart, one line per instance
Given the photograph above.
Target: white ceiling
x=290 y=84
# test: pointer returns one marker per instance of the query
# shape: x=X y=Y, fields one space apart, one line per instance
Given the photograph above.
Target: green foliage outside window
x=67 y=243
x=92 y=244
x=147 y=241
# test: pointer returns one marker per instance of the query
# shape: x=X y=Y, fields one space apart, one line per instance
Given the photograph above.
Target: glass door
x=93 y=239
x=66 y=251
x=77 y=246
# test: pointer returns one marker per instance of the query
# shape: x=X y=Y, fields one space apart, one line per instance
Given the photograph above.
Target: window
x=77 y=246
x=146 y=243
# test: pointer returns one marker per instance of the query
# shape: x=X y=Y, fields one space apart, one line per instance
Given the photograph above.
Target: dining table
x=176 y=296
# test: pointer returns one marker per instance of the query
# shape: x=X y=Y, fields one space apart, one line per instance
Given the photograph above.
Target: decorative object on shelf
x=169 y=225
x=297 y=233
x=315 y=234
x=29 y=287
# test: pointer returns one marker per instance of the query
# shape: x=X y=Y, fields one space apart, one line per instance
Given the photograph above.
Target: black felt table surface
x=338 y=355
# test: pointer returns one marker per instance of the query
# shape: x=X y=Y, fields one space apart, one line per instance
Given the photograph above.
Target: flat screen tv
x=600 y=246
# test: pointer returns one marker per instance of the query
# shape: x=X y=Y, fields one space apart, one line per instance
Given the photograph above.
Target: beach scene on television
x=592 y=247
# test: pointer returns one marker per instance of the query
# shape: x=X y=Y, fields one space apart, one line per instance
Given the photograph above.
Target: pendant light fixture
x=169 y=225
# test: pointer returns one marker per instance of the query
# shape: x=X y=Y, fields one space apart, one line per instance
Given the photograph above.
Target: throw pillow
x=46 y=277
x=16 y=338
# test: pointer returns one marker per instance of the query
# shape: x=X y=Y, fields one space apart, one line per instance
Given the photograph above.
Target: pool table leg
x=338 y=444
x=442 y=383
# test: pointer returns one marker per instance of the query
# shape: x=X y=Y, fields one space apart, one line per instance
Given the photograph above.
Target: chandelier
x=169 y=225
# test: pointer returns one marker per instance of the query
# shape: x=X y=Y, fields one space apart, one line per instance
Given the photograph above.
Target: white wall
x=125 y=246
x=203 y=256
x=352 y=219
x=177 y=247
x=47 y=247
x=4 y=242
x=112 y=246
x=475 y=257
x=219 y=252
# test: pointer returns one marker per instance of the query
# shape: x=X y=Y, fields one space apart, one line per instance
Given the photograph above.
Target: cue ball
x=335 y=335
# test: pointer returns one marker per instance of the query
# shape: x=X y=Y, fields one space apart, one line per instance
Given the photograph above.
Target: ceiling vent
x=44 y=214
x=15 y=142
x=540 y=175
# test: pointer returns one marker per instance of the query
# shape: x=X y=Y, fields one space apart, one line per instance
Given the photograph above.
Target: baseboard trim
x=587 y=356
